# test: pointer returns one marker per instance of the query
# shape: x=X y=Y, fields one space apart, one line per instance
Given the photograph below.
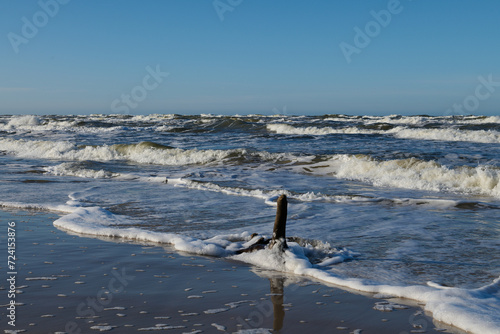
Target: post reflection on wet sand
x=277 y=296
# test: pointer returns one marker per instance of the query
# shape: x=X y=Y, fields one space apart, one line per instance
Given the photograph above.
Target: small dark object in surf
x=279 y=230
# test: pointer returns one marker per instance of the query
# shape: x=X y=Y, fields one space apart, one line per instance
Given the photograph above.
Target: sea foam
x=98 y=222
x=447 y=134
x=411 y=174
x=73 y=169
x=316 y=131
x=443 y=134
x=475 y=310
x=143 y=153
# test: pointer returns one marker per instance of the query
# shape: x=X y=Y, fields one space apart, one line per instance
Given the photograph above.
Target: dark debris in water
x=39 y=181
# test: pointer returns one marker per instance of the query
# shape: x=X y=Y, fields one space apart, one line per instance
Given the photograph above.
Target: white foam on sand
x=255 y=331
x=38 y=207
x=96 y=221
x=474 y=310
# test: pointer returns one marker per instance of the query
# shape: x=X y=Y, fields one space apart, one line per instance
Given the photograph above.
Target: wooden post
x=279 y=231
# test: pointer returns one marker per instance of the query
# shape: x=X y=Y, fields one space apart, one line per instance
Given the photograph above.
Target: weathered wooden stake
x=279 y=231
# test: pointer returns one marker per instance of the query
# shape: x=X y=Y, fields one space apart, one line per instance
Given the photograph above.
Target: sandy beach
x=73 y=284
x=147 y=149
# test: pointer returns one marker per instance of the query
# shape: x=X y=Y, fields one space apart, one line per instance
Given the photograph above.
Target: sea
x=397 y=206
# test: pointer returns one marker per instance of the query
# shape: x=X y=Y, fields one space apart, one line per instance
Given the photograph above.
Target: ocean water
x=406 y=206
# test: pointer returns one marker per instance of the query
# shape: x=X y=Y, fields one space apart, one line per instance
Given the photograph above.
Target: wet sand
x=73 y=284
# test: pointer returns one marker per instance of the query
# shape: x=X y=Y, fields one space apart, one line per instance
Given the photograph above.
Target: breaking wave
x=411 y=174
x=143 y=153
x=79 y=170
x=447 y=134
x=316 y=131
x=417 y=120
x=441 y=134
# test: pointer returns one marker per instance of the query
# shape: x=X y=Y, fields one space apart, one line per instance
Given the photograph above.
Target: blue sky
x=250 y=56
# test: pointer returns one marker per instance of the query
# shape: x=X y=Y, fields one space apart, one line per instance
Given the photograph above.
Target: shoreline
x=67 y=283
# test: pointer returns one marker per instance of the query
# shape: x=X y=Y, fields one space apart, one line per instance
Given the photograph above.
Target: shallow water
x=396 y=200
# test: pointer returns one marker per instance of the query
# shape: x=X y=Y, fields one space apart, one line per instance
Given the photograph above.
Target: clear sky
x=250 y=56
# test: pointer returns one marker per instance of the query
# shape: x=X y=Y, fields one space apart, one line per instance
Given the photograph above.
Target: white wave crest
x=443 y=134
x=144 y=153
x=316 y=131
x=416 y=120
x=447 y=134
x=72 y=169
x=26 y=120
x=37 y=123
x=412 y=174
